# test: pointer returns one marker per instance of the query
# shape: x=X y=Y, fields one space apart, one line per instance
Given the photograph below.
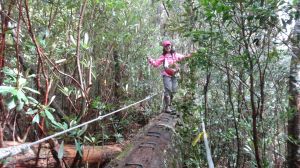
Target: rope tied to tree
x=14 y=150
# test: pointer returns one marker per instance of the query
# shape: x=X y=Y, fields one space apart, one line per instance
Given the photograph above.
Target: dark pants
x=170 y=85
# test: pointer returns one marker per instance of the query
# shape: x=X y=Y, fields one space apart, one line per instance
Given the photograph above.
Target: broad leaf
x=36 y=119
x=31 y=90
x=50 y=116
x=11 y=104
x=6 y=89
x=61 y=151
x=78 y=147
x=31 y=111
x=21 y=96
x=20 y=106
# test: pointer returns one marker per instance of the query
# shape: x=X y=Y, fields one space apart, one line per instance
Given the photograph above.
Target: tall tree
x=293 y=147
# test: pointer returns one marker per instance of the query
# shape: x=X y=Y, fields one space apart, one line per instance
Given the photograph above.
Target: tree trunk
x=154 y=147
x=205 y=92
x=92 y=155
x=117 y=76
x=5 y=17
x=238 y=144
x=293 y=149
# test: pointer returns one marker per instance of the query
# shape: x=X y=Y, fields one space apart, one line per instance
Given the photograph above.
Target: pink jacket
x=171 y=61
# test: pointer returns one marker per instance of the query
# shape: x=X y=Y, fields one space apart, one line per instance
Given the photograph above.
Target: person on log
x=169 y=59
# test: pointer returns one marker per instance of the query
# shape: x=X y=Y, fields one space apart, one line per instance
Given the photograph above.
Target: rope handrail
x=14 y=150
x=206 y=143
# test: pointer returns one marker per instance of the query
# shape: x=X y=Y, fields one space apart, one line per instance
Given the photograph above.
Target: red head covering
x=166 y=43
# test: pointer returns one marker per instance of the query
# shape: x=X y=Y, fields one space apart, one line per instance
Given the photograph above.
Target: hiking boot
x=180 y=123
x=167 y=101
x=173 y=112
x=168 y=109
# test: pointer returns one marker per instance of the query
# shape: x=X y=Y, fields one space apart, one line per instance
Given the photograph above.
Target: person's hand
x=191 y=54
x=188 y=55
x=148 y=59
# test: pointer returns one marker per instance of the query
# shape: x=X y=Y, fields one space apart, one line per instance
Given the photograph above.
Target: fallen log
x=156 y=146
x=92 y=155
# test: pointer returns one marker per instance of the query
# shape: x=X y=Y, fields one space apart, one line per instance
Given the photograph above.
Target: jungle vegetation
x=64 y=62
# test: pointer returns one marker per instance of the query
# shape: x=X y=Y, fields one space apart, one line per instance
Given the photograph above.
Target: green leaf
x=32 y=100
x=91 y=139
x=72 y=40
x=59 y=126
x=78 y=147
x=22 y=82
x=88 y=139
x=32 y=76
x=9 y=40
x=6 y=89
x=11 y=104
x=36 y=119
x=31 y=111
x=60 y=61
x=198 y=138
x=73 y=123
x=83 y=129
x=31 y=90
x=119 y=137
x=51 y=100
x=65 y=126
x=295 y=2
x=86 y=39
x=20 y=106
x=21 y=96
x=49 y=116
x=66 y=91
x=85 y=46
x=61 y=151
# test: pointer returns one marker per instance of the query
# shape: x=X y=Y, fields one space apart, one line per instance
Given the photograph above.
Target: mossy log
x=156 y=146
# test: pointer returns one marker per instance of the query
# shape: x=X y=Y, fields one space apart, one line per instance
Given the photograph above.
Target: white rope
x=14 y=150
x=208 y=153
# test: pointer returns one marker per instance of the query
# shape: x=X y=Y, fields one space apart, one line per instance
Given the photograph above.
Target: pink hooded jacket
x=171 y=62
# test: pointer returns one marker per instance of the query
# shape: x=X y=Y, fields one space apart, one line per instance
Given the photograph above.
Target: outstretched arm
x=189 y=55
x=180 y=57
x=157 y=62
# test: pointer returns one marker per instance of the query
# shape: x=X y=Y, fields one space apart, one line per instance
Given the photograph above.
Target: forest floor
x=145 y=142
